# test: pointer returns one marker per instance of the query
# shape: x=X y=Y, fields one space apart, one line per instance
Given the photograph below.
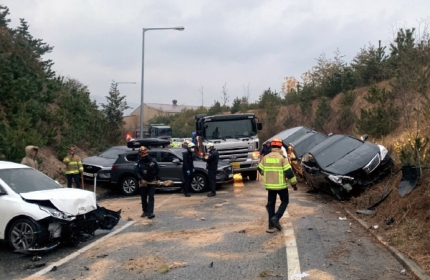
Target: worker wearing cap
x=74 y=168
x=212 y=159
x=278 y=174
x=147 y=172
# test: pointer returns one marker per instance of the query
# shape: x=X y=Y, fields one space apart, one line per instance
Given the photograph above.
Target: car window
x=132 y=157
x=153 y=155
x=167 y=157
x=22 y=180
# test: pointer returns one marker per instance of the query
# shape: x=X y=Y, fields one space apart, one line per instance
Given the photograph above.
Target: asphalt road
x=220 y=238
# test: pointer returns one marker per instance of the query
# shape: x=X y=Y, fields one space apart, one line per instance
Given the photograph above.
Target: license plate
x=235 y=165
x=230 y=175
x=88 y=174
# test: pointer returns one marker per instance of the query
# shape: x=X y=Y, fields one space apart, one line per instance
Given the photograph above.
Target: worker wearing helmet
x=73 y=168
x=147 y=172
x=212 y=165
x=188 y=168
x=277 y=174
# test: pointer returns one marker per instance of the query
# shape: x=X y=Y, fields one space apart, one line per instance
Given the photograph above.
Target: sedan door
x=170 y=170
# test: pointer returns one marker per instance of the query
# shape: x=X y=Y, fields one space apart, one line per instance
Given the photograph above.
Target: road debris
x=375 y=226
x=177 y=265
x=267 y=273
x=34 y=265
x=301 y=275
x=211 y=264
x=342 y=218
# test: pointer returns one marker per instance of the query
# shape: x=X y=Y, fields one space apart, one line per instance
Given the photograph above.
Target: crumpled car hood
x=355 y=160
x=70 y=201
x=99 y=161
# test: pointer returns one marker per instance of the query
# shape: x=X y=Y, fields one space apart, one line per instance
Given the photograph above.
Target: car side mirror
x=364 y=137
x=176 y=161
x=259 y=126
x=2 y=192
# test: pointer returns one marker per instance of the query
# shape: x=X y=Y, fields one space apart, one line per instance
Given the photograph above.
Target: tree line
x=38 y=107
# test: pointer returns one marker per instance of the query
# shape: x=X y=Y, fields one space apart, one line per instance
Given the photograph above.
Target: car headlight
x=104 y=175
x=383 y=151
x=57 y=214
x=338 y=179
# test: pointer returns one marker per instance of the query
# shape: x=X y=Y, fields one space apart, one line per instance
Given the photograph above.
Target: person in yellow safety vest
x=174 y=143
x=276 y=171
x=73 y=168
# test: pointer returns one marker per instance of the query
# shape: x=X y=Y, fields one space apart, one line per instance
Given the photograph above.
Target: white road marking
x=293 y=262
x=77 y=253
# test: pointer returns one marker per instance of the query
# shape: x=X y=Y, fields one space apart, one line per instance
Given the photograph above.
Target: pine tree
x=114 y=112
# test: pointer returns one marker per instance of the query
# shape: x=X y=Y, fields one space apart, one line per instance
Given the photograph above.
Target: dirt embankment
x=402 y=221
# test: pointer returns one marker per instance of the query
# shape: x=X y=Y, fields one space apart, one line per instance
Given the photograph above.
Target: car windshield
x=23 y=180
x=230 y=129
x=113 y=152
x=337 y=151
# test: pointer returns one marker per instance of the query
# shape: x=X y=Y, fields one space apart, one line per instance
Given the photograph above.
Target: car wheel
x=198 y=182
x=25 y=233
x=129 y=185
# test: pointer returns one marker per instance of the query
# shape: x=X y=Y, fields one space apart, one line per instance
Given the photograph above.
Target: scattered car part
x=410 y=176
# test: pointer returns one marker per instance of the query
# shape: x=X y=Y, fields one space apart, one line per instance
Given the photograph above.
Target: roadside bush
x=382 y=119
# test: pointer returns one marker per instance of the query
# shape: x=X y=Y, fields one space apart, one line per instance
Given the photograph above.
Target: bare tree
x=225 y=96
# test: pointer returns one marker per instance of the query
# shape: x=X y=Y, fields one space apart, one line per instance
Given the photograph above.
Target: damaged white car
x=37 y=214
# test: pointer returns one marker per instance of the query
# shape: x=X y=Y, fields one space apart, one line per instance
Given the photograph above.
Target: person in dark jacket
x=188 y=168
x=267 y=149
x=147 y=172
x=212 y=166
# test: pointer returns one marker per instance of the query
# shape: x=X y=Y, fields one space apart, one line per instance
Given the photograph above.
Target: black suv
x=170 y=163
x=101 y=164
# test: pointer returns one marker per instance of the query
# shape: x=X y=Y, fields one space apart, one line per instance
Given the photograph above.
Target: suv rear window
x=131 y=157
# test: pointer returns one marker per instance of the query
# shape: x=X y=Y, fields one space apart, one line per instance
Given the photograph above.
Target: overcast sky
x=237 y=43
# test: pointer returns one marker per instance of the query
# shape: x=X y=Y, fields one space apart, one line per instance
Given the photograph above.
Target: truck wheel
x=252 y=175
x=198 y=183
x=25 y=233
x=129 y=185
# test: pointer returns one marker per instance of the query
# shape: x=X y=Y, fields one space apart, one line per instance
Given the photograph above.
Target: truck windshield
x=230 y=129
x=164 y=132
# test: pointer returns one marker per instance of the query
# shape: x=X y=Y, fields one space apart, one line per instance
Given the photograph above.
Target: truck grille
x=233 y=155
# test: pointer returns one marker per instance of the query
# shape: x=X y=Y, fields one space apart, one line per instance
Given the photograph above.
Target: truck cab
x=235 y=137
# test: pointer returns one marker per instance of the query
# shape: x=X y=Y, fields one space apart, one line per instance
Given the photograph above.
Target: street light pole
x=179 y=28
